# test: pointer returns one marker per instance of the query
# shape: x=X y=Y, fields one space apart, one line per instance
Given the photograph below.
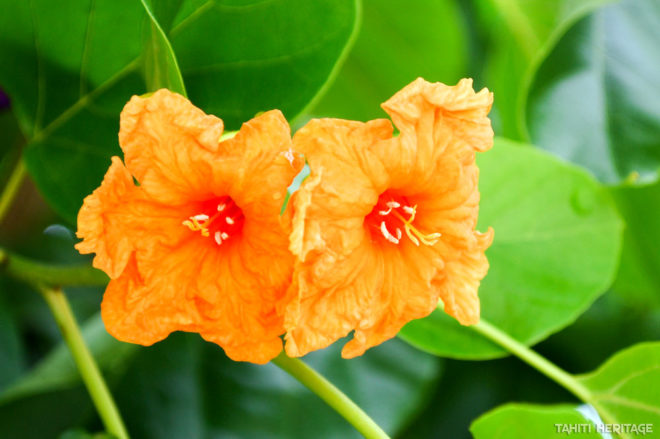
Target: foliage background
x=570 y=188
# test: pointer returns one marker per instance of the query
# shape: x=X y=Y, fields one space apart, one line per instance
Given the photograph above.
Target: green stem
x=331 y=395
x=89 y=371
x=533 y=359
x=543 y=365
x=13 y=185
x=32 y=272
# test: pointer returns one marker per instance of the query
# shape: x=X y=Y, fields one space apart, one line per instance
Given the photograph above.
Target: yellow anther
x=194 y=225
x=413 y=233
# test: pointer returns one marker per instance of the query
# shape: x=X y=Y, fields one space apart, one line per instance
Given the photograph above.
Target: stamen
x=398 y=233
x=411 y=236
x=413 y=233
x=385 y=212
x=386 y=233
x=289 y=155
x=393 y=204
x=218 y=218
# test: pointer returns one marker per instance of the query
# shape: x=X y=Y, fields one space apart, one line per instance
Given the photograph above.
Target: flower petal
x=169 y=145
x=345 y=181
x=267 y=166
x=144 y=313
x=118 y=218
x=437 y=121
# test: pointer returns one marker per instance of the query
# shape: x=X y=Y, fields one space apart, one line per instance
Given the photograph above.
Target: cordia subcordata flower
x=199 y=244
x=191 y=233
x=385 y=226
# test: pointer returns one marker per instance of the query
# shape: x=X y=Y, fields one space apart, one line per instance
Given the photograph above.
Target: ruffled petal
x=117 y=218
x=228 y=294
x=142 y=312
x=345 y=181
x=268 y=164
x=169 y=146
x=333 y=294
x=406 y=294
x=438 y=121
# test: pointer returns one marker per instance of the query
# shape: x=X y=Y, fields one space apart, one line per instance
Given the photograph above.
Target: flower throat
x=392 y=217
x=218 y=218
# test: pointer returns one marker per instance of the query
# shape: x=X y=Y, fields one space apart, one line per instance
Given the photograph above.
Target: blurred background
x=578 y=79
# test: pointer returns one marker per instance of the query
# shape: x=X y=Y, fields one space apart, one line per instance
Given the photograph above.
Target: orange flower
x=199 y=244
x=385 y=227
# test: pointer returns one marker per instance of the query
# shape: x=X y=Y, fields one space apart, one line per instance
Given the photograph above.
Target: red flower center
x=218 y=218
x=392 y=218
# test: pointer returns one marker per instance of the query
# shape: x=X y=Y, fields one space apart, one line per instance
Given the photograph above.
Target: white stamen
x=218 y=238
x=384 y=212
x=398 y=233
x=221 y=207
x=224 y=235
x=289 y=155
x=200 y=217
x=229 y=220
x=386 y=233
x=409 y=210
x=393 y=204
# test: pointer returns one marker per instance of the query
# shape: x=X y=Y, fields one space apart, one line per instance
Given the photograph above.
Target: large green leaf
x=521 y=36
x=638 y=280
x=596 y=100
x=399 y=41
x=556 y=248
x=72 y=69
x=75 y=63
x=626 y=389
x=242 y=57
x=522 y=421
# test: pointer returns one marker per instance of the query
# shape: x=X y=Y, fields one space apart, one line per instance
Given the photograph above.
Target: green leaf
x=11 y=350
x=54 y=390
x=556 y=249
x=160 y=65
x=58 y=371
x=595 y=100
x=398 y=42
x=81 y=434
x=638 y=280
x=239 y=58
x=184 y=387
x=626 y=389
x=72 y=71
x=523 y=34
x=522 y=421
